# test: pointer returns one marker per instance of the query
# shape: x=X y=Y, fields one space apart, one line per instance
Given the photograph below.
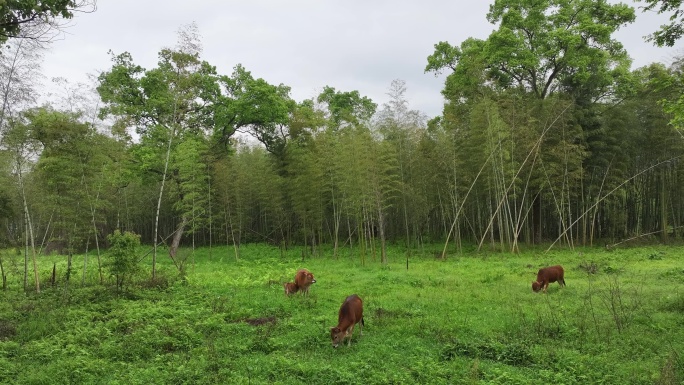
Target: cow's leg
x=350 y=332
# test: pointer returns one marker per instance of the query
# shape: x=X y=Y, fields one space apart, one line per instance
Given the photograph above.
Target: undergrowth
x=470 y=319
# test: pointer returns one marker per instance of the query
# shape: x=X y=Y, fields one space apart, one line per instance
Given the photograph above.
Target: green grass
x=471 y=319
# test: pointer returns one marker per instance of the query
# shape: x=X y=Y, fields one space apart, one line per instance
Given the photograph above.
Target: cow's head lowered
x=536 y=286
x=350 y=314
x=548 y=275
x=337 y=335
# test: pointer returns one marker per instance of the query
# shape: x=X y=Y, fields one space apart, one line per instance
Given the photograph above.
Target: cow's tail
x=362 y=322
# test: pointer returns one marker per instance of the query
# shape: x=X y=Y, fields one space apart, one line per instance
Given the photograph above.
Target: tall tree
x=539 y=48
x=349 y=142
x=673 y=105
x=178 y=99
x=654 y=194
x=20 y=62
x=23 y=150
x=184 y=99
x=73 y=155
x=401 y=128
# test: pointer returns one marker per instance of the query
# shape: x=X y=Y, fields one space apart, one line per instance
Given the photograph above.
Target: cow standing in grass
x=548 y=275
x=351 y=313
x=303 y=279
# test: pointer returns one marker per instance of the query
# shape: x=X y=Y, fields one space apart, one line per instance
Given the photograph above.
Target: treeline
x=547 y=136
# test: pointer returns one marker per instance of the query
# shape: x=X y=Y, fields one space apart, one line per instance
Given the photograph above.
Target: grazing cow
x=290 y=288
x=303 y=279
x=548 y=275
x=351 y=313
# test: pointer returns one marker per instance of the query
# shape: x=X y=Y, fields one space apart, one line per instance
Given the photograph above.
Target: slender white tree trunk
x=30 y=233
x=161 y=193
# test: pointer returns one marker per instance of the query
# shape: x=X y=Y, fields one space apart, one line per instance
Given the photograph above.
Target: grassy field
x=470 y=319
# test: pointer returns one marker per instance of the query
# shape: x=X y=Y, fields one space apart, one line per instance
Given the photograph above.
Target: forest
x=548 y=136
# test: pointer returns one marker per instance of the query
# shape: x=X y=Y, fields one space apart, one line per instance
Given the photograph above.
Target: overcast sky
x=347 y=44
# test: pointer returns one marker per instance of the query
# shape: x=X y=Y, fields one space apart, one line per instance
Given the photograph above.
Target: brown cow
x=548 y=275
x=290 y=288
x=351 y=313
x=304 y=279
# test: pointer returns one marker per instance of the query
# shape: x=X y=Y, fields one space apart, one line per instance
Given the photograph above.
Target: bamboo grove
x=547 y=136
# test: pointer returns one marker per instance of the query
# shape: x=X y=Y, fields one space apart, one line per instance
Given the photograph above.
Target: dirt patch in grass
x=381 y=313
x=7 y=330
x=261 y=321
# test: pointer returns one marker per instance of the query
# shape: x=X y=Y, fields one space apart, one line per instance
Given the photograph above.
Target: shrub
x=122 y=261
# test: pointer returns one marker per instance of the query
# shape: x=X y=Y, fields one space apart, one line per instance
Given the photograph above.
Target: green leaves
x=468 y=65
x=254 y=104
x=445 y=56
x=122 y=261
x=15 y=15
x=180 y=91
x=69 y=158
x=668 y=34
x=540 y=47
x=346 y=108
x=120 y=88
x=190 y=160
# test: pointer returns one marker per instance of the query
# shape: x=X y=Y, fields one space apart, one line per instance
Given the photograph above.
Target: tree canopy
x=18 y=17
x=668 y=34
x=540 y=47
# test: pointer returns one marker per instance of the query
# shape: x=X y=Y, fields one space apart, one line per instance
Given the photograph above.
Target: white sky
x=347 y=44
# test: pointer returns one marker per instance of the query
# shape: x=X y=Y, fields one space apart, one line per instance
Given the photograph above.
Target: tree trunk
x=381 y=233
x=85 y=263
x=30 y=235
x=229 y=224
x=161 y=193
x=26 y=251
x=97 y=243
x=175 y=242
x=337 y=218
x=536 y=219
x=210 y=216
x=4 y=277
x=663 y=207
